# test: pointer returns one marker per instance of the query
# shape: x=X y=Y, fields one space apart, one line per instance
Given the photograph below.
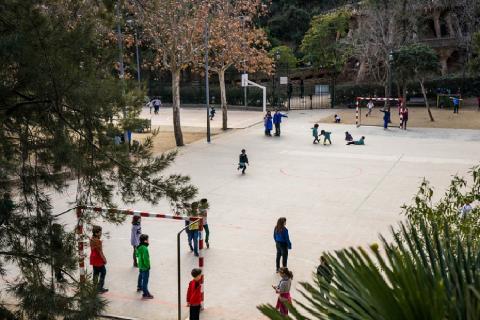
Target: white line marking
x=410 y=159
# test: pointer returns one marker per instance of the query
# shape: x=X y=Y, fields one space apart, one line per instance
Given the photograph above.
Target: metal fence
x=295 y=96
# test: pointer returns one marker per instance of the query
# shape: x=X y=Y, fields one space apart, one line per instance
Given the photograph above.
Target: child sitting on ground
x=315 y=133
x=337 y=118
x=326 y=136
x=360 y=142
x=348 y=136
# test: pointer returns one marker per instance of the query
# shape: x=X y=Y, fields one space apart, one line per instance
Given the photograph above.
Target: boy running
x=243 y=161
x=370 y=107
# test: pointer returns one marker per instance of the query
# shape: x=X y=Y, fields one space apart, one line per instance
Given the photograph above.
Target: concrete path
x=197 y=118
x=332 y=196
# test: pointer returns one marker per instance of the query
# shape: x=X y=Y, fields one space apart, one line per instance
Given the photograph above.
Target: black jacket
x=243 y=158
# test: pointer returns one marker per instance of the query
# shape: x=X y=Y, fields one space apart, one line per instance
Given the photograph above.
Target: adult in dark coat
x=277 y=120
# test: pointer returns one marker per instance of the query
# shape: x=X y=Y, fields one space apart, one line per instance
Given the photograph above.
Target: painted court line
x=409 y=159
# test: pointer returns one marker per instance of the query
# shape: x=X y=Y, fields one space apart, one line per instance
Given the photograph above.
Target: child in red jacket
x=194 y=294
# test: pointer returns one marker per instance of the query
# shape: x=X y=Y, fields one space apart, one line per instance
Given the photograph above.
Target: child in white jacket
x=135 y=236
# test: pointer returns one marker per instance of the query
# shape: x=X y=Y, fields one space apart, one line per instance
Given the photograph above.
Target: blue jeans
x=143 y=276
x=102 y=272
x=194 y=236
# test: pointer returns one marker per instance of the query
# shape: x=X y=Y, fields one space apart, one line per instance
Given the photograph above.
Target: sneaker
x=139 y=289
x=196 y=255
x=102 y=290
x=208 y=245
x=148 y=296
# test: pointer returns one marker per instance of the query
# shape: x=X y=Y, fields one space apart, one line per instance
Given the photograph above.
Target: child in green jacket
x=202 y=211
x=315 y=134
x=143 y=262
x=326 y=137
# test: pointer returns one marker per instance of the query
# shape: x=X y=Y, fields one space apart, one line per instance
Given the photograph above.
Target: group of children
x=323 y=133
x=350 y=141
x=141 y=257
x=197 y=209
x=327 y=135
x=276 y=120
x=155 y=104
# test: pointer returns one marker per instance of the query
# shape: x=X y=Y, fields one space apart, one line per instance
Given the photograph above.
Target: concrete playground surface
x=333 y=197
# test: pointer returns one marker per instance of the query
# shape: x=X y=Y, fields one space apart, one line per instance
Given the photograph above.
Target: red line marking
x=114 y=296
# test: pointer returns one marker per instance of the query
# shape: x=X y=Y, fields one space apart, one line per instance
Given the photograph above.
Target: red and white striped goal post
x=357 y=105
x=80 y=233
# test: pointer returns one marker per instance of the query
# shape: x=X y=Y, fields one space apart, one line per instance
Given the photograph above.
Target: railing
x=441 y=42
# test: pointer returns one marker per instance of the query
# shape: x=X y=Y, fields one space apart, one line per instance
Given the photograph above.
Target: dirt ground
x=418 y=117
x=165 y=140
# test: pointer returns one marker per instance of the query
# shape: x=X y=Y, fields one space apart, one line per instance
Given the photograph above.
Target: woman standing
x=135 y=237
x=268 y=123
x=282 y=242
x=283 y=291
x=404 y=118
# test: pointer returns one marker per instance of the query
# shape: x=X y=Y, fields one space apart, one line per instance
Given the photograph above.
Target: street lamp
x=277 y=60
x=390 y=77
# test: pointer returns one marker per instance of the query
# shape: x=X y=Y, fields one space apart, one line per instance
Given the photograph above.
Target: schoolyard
x=332 y=196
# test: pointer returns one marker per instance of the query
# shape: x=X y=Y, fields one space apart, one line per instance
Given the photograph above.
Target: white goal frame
x=358 y=111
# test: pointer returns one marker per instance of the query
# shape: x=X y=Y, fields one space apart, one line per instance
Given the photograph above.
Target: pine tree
x=61 y=104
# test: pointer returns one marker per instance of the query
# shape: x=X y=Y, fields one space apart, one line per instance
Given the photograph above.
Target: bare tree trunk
x=451 y=30
x=444 y=65
x=362 y=70
x=424 y=92
x=404 y=94
x=176 y=107
x=436 y=23
x=223 y=98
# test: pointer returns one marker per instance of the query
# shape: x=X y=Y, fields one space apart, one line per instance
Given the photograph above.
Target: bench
x=144 y=125
x=418 y=101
